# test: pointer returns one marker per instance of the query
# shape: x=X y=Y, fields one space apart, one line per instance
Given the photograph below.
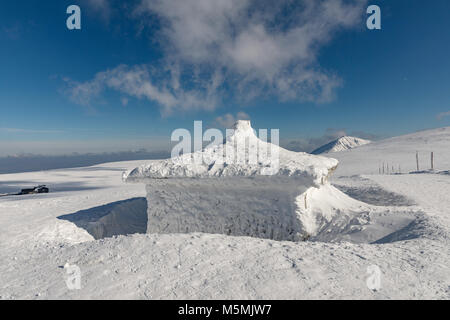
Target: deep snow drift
x=399 y=223
x=341 y=144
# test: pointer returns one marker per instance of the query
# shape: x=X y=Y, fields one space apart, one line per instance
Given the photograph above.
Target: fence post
x=417 y=160
x=432 y=160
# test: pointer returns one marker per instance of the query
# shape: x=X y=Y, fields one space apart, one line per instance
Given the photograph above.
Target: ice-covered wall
x=258 y=207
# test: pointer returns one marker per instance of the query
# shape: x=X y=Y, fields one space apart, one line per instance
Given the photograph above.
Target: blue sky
x=313 y=74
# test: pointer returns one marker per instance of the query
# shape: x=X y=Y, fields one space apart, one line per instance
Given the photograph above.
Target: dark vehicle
x=35 y=190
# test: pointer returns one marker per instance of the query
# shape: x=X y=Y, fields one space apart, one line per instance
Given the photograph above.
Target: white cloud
x=99 y=7
x=246 y=48
x=228 y=120
x=124 y=101
x=442 y=115
x=138 y=82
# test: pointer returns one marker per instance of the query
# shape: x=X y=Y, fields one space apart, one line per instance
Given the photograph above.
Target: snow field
x=399 y=223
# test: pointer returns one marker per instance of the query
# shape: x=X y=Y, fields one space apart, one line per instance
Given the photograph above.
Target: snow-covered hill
x=398 y=154
x=341 y=144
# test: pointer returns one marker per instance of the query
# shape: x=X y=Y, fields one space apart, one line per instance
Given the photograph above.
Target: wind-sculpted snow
x=205 y=266
x=117 y=218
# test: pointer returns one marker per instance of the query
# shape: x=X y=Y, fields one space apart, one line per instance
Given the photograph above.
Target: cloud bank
x=238 y=49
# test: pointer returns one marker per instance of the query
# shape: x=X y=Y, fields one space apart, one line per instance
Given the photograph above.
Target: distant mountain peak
x=341 y=144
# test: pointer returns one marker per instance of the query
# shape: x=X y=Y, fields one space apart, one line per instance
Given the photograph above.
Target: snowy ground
x=39 y=236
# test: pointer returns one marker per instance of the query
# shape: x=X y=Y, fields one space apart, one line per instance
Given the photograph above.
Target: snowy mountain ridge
x=341 y=144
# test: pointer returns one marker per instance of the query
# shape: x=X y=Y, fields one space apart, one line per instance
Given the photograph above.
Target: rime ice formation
x=233 y=190
x=244 y=146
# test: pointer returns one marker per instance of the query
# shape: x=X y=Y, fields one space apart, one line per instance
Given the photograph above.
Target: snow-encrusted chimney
x=242 y=125
x=241 y=129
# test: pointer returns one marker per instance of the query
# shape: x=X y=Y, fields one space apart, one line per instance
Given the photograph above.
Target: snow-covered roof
x=250 y=159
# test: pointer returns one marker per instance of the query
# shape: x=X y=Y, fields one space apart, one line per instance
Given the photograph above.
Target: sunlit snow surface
x=39 y=234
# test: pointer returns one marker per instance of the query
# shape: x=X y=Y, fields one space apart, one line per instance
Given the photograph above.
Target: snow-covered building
x=243 y=186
